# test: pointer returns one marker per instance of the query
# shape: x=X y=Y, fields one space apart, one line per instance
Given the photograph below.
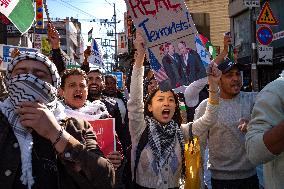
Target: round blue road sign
x=264 y=35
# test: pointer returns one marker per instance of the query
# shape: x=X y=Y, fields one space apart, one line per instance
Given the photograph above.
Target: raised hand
x=214 y=75
x=53 y=36
x=15 y=53
x=227 y=42
x=139 y=44
x=38 y=117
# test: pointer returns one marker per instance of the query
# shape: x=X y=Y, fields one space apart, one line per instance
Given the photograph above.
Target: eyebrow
x=161 y=96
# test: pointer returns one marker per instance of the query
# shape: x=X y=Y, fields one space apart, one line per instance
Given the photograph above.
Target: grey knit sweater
x=227 y=154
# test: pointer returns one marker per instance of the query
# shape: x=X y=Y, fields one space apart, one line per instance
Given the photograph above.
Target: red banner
x=105 y=131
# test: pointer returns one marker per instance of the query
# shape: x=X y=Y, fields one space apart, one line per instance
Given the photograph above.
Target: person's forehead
x=76 y=78
x=95 y=74
x=153 y=80
x=29 y=63
x=110 y=79
x=181 y=45
x=164 y=94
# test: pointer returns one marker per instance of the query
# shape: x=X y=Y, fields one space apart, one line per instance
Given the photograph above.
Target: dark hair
x=99 y=72
x=182 y=42
x=96 y=71
x=151 y=78
x=177 y=117
x=69 y=72
x=111 y=77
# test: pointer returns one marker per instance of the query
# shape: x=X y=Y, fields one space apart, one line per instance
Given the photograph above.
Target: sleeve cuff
x=72 y=150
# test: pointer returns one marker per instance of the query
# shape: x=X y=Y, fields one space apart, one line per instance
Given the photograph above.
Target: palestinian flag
x=20 y=12
x=208 y=45
x=90 y=35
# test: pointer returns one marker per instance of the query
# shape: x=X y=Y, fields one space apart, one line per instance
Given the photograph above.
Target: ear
x=150 y=109
x=61 y=92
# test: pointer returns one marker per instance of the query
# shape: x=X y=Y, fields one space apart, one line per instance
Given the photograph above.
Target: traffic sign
x=266 y=16
x=252 y=3
x=264 y=35
x=265 y=55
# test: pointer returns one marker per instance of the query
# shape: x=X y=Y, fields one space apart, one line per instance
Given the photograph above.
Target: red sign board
x=105 y=132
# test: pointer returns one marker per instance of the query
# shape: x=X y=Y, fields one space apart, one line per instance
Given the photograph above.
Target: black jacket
x=96 y=171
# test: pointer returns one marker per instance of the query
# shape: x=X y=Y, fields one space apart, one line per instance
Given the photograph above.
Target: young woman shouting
x=157 y=135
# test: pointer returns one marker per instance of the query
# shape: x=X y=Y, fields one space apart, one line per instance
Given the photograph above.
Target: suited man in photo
x=172 y=64
x=191 y=62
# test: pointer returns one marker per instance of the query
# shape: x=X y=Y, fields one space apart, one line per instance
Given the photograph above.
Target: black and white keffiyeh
x=162 y=140
x=90 y=111
x=27 y=87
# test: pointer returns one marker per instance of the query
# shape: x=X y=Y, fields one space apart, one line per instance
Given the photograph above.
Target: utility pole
x=254 y=71
x=115 y=36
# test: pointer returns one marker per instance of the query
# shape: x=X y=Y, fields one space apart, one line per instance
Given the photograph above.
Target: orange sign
x=105 y=132
x=266 y=16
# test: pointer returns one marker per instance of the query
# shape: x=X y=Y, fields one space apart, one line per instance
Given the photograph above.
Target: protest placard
x=171 y=39
x=5 y=53
x=105 y=132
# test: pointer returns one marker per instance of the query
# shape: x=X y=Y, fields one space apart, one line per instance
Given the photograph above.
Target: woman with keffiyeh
x=40 y=147
x=160 y=162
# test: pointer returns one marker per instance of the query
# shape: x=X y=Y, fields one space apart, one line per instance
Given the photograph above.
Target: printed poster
x=119 y=78
x=171 y=39
x=5 y=54
x=105 y=132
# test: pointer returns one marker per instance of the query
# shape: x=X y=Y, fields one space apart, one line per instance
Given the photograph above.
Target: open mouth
x=78 y=97
x=93 y=87
x=236 y=86
x=166 y=113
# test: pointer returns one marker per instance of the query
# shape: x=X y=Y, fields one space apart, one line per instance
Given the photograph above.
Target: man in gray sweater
x=229 y=164
x=265 y=137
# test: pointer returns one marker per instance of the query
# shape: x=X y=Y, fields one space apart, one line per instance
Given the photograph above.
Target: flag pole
x=46 y=10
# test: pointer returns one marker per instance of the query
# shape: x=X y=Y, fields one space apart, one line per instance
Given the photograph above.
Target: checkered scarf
x=162 y=140
x=90 y=111
x=27 y=87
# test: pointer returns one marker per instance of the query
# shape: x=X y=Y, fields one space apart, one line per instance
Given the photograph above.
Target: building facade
x=211 y=19
x=241 y=28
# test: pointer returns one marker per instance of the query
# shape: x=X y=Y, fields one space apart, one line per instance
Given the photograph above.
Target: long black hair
x=177 y=117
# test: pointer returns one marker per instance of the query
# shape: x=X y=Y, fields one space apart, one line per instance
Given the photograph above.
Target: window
x=242 y=34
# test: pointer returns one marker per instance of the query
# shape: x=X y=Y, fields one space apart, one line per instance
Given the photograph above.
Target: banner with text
x=170 y=33
x=105 y=132
x=5 y=54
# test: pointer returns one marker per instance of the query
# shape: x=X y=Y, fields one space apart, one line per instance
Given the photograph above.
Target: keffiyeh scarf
x=27 y=87
x=90 y=111
x=162 y=140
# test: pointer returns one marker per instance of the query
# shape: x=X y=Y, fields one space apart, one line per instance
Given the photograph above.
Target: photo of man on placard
x=191 y=62
x=172 y=64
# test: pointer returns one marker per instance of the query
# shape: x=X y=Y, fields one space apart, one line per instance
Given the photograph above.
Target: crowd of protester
x=47 y=142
